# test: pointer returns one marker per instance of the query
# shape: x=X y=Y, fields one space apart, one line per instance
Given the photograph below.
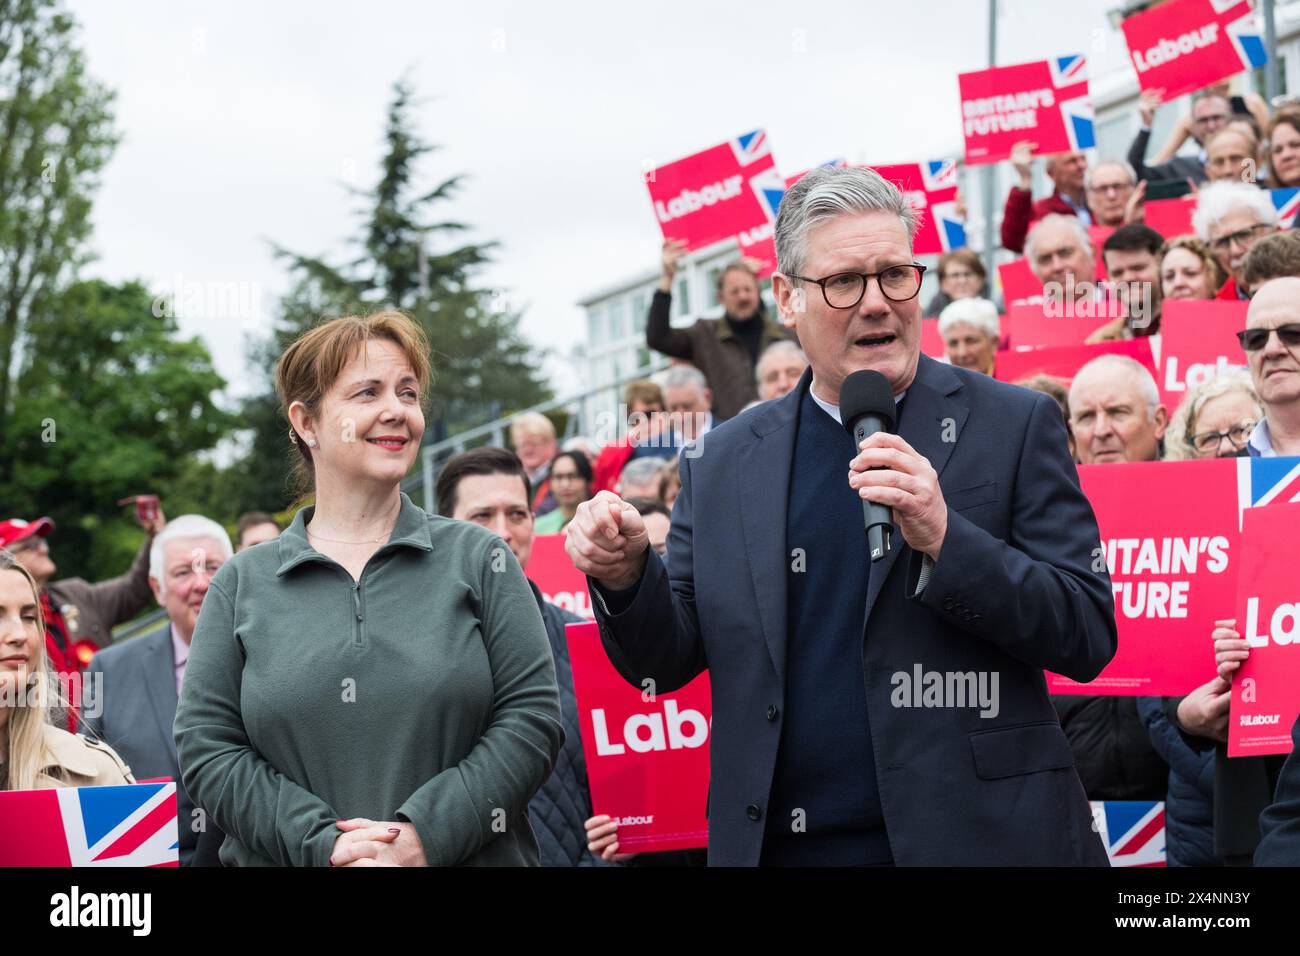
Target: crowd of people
x=285 y=665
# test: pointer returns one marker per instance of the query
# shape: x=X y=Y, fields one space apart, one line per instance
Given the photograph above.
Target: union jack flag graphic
x=1287 y=204
x=931 y=187
x=1070 y=77
x=750 y=147
x=1266 y=481
x=1243 y=29
x=133 y=825
x=1068 y=70
x=1132 y=830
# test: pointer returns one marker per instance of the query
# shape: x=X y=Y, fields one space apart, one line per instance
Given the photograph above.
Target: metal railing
x=581 y=422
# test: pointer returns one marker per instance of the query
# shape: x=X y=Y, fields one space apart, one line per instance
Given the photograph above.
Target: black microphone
x=866 y=407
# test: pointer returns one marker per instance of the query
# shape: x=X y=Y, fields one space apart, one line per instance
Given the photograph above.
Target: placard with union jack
x=717 y=193
x=931 y=187
x=1046 y=102
x=1185 y=45
x=133 y=825
x=1132 y=830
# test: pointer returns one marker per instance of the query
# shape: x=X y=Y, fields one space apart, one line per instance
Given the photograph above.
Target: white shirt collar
x=834 y=410
x=1260 y=440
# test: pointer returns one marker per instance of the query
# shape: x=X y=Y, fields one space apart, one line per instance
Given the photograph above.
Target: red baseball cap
x=16 y=529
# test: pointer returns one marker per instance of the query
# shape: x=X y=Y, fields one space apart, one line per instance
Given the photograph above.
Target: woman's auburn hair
x=312 y=364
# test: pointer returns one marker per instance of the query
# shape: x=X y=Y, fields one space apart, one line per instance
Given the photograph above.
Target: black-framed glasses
x=1241 y=236
x=844 y=290
x=1252 y=340
x=1238 y=434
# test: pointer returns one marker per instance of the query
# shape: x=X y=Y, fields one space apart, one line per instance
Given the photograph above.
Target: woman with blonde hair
x=1215 y=419
x=35 y=754
x=376 y=686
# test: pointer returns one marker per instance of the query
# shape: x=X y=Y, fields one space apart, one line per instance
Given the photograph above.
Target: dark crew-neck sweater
x=825 y=776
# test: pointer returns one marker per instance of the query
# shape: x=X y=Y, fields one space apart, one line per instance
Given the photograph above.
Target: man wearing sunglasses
x=1271 y=341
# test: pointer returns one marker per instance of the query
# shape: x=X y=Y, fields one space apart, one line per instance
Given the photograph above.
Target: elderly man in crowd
x=1132 y=255
x=534 y=441
x=1067 y=172
x=971 y=333
x=642 y=478
x=1230 y=218
x=779 y=369
x=1060 y=255
x=1272 y=345
x=133 y=688
x=1116 y=416
x=1109 y=186
x=689 y=401
x=726 y=350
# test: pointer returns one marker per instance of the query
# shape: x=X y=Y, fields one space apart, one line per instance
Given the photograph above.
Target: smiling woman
x=34 y=754
x=376 y=686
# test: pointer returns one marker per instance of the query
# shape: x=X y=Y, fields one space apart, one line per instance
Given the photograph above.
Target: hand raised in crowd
x=1229 y=648
x=670 y=258
x=1148 y=103
x=607 y=540
x=602 y=839
x=1135 y=210
x=1204 y=712
x=387 y=843
x=891 y=472
x=959 y=205
x=1022 y=161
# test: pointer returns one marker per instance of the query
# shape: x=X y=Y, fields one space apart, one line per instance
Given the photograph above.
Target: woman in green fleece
x=375 y=687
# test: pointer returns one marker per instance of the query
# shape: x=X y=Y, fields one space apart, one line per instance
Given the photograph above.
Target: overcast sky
x=242 y=120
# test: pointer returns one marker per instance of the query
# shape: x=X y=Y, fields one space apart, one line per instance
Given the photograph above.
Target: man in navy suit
x=133 y=687
x=868 y=714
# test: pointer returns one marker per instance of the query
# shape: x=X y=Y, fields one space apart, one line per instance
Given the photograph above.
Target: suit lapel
x=763 y=485
x=160 y=684
x=932 y=420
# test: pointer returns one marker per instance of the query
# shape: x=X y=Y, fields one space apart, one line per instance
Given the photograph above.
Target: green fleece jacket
x=424 y=692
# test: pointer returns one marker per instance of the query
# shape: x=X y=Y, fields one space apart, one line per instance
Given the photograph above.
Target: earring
x=293 y=436
x=311 y=443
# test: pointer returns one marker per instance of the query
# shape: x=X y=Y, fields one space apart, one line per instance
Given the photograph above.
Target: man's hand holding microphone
x=607 y=541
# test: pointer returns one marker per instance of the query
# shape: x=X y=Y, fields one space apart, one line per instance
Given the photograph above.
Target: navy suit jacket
x=1013 y=592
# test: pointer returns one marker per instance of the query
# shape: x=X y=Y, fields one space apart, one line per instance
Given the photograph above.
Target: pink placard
x=1045 y=102
x=1185 y=45
x=1169 y=536
x=1266 y=688
x=1197 y=340
x=718 y=193
x=647 y=753
x=1044 y=324
x=1064 y=361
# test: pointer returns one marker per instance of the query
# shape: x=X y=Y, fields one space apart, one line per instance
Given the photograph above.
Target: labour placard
x=718 y=193
x=1185 y=45
x=1045 y=102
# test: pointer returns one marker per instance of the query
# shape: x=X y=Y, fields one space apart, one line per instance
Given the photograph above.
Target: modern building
x=616 y=315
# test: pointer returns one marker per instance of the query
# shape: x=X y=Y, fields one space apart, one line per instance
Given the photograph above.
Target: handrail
x=432 y=456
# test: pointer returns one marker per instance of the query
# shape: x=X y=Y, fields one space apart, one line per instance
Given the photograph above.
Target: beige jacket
x=76 y=761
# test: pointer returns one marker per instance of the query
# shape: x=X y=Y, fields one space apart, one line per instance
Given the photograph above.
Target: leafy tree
x=406 y=259
x=55 y=136
x=111 y=403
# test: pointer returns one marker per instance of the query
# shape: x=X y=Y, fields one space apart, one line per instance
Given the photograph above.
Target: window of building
x=596 y=325
x=682 y=297
x=640 y=307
